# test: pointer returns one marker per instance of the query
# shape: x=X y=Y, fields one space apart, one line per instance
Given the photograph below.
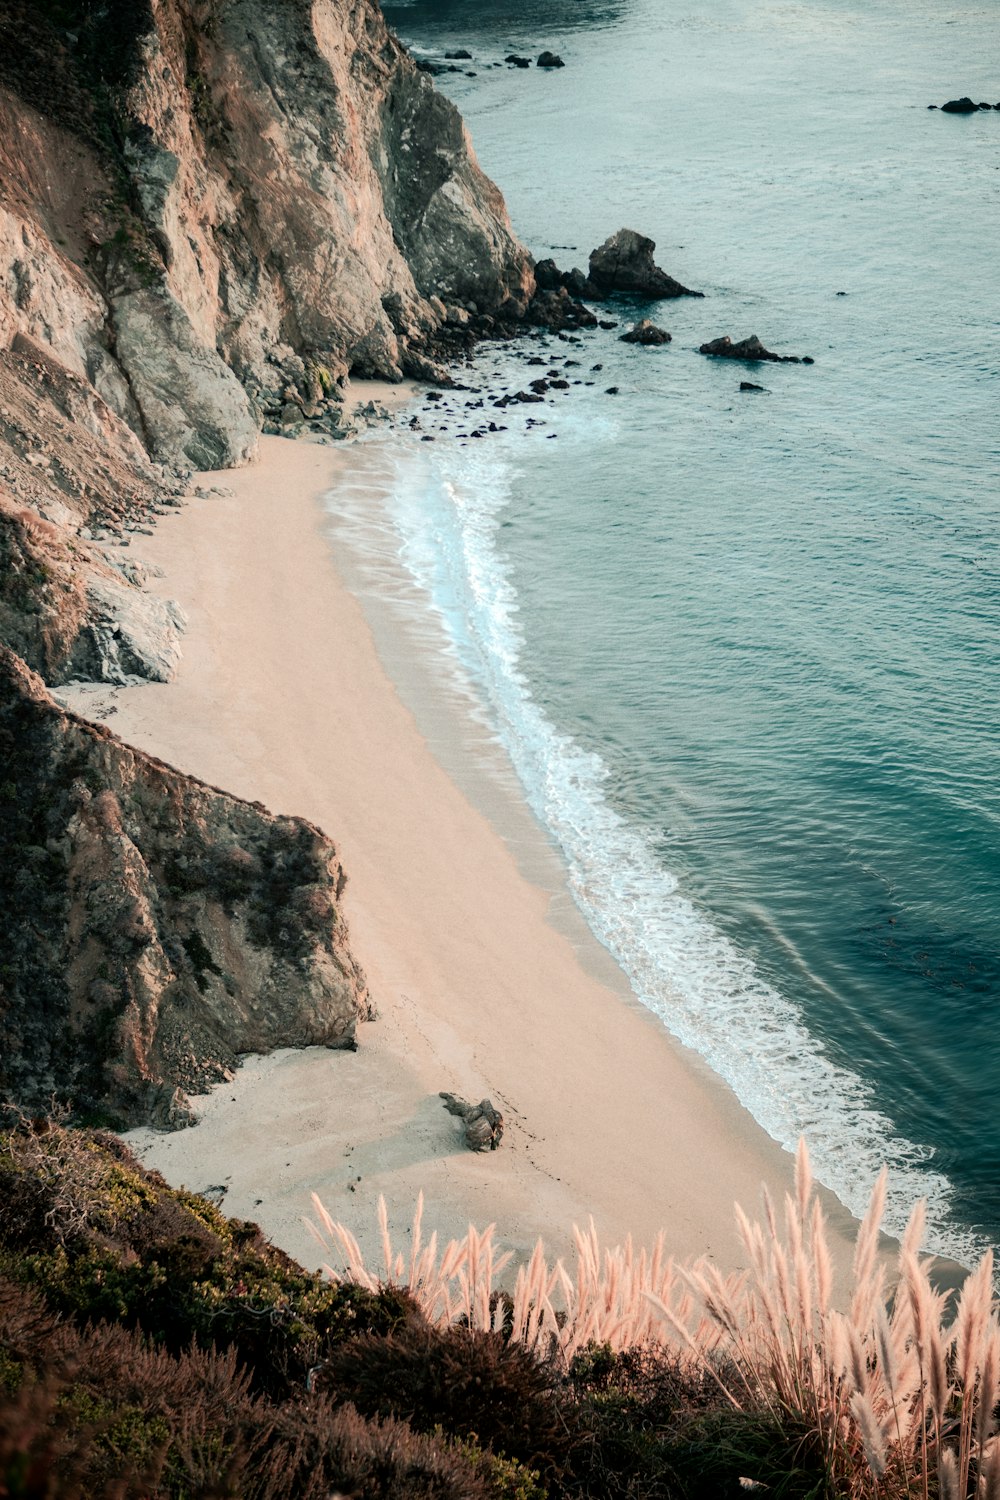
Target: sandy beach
x=282 y=698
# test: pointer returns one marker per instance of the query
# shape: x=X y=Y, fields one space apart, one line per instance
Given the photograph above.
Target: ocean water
x=742 y=649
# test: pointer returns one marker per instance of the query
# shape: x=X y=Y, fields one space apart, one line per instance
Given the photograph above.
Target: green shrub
x=101 y=1239
x=471 y=1384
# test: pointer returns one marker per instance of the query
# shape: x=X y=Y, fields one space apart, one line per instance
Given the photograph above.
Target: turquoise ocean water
x=743 y=650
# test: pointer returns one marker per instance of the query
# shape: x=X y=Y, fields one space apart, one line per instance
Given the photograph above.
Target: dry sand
x=282 y=698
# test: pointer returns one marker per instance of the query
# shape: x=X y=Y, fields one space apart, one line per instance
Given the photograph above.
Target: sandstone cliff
x=155 y=928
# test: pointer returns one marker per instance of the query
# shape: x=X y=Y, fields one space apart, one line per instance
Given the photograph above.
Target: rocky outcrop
x=559 y=310
x=71 y=614
x=549 y=60
x=750 y=348
x=624 y=263
x=155 y=928
x=65 y=453
x=73 y=473
x=549 y=278
x=645 y=332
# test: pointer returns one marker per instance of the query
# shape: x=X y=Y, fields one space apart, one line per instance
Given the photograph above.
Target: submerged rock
x=624 y=263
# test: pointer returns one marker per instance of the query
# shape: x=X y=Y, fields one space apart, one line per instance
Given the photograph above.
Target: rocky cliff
x=211 y=213
x=212 y=208
x=155 y=928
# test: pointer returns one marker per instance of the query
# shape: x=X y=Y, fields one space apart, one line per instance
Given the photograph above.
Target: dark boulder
x=748 y=385
x=645 y=332
x=519 y=398
x=550 y=60
x=963 y=106
x=559 y=311
x=462 y=55
x=579 y=285
x=624 y=263
x=517 y=62
x=752 y=349
x=436 y=69
x=548 y=277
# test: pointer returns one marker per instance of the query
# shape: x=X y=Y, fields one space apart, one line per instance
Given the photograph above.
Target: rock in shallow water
x=750 y=348
x=624 y=263
x=645 y=332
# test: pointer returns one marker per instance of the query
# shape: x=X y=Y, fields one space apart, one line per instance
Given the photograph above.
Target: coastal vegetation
x=149 y=1346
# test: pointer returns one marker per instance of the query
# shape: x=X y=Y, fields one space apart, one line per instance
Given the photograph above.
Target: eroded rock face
x=624 y=263
x=154 y=928
x=193 y=408
x=228 y=186
x=71 y=614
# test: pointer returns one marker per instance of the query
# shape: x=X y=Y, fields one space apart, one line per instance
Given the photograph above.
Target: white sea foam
x=445 y=512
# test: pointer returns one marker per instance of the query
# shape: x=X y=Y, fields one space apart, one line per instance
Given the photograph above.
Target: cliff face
x=211 y=212
x=245 y=198
x=155 y=928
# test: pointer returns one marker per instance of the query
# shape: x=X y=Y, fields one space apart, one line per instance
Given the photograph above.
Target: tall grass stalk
x=897 y=1396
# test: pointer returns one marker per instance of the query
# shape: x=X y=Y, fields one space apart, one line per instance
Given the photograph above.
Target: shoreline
x=282 y=698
